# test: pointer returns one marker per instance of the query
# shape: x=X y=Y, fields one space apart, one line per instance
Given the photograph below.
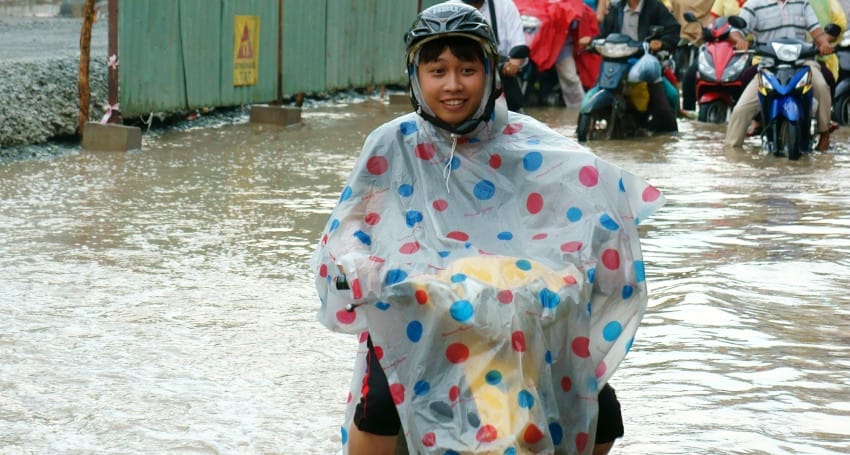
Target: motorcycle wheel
x=787 y=140
x=713 y=112
x=595 y=125
x=841 y=110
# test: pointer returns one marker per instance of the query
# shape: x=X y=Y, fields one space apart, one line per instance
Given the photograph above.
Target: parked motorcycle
x=719 y=69
x=841 y=101
x=615 y=108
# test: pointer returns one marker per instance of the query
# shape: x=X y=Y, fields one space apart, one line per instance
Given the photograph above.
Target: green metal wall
x=178 y=54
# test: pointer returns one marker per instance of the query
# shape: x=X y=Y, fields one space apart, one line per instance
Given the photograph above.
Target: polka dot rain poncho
x=499 y=275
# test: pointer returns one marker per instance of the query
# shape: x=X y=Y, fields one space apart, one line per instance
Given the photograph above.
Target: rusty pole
x=419 y=6
x=85 y=59
x=112 y=69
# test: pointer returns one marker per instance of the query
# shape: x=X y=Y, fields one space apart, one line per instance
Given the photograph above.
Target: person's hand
x=510 y=68
x=655 y=45
x=825 y=47
x=583 y=42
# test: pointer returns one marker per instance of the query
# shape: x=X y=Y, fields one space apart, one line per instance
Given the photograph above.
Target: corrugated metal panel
x=304 y=43
x=200 y=40
x=351 y=24
x=266 y=88
x=393 y=20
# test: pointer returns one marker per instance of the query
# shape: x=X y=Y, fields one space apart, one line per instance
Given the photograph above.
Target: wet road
x=161 y=300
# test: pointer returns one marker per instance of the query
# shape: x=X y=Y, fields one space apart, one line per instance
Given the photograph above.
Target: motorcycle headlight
x=787 y=52
x=615 y=50
x=735 y=67
x=706 y=68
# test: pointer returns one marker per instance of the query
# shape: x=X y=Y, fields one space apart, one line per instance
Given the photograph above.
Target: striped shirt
x=771 y=19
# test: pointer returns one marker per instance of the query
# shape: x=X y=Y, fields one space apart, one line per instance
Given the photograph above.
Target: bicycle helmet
x=452 y=19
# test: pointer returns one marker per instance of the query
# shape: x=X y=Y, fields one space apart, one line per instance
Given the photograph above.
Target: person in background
x=634 y=18
x=577 y=69
x=512 y=47
x=768 y=20
x=726 y=7
x=600 y=7
x=830 y=12
x=463 y=197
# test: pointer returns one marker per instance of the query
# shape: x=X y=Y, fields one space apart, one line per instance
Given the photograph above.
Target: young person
x=491 y=267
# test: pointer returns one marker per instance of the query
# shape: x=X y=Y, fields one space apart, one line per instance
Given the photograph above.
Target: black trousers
x=513 y=93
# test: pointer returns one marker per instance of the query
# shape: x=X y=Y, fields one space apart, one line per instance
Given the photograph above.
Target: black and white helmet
x=453 y=19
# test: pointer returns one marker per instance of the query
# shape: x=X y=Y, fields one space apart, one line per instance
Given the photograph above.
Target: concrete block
x=399 y=98
x=276 y=115
x=111 y=137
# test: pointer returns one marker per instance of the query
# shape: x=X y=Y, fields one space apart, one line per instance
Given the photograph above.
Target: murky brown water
x=161 y=300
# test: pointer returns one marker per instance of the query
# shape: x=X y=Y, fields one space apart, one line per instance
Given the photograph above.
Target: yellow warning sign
x=246 y=47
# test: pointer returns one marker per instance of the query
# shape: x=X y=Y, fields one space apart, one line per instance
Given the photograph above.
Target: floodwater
x=160 y=300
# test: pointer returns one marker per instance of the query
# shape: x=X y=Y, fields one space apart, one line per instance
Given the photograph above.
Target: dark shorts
x=376 y=413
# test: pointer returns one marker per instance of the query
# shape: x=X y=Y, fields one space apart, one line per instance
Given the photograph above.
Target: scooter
x=614 y=108
x=841 y=100
x=719 y=69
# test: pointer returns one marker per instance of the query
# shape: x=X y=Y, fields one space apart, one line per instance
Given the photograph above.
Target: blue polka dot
x=493 y=377
x=412 y=217
x=467 y=245
x=523 y=264
x=414 y=331
x=461 y=310
x=363 y=237
x=629 y=344
x=458 y=278
x=574 y=214
x=556 y=432
x=592 y=384
x=346 y=194
x=525 y=399
x=343 y=435
x=444 y=254
x=484 y=190
x=455 y=163
x=549 y=298
x=505 y=235
x=383 y=306
x=640 y=273
x=608 y=223
x=591 y=274
x=532 y=161
x=408 y=128
x=534 y=141
x=451 y=452
x=405 y=190
x=334 y=225
x=548 y=357
x=628 y=291
x=622 y=186
x=510 y=451
x=612 y=331
x=395 y=276
x=474 y=140
x=421 y=388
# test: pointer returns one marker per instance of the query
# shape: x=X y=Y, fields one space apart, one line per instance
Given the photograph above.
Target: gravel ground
x=39 y=66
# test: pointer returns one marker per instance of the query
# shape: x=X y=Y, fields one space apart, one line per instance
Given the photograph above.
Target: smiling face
x=452 y=86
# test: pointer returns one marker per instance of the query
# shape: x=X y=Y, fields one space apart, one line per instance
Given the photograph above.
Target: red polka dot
x=364 y=336
x=425 y=151
x=457 y=353
x=372 y=218
x=588 y=176
x=377 y=165
x=349 y=398
x=323 y=271
x=518 y=341
x=487 y=433
x=505 y=296
x=397 y=392
x=600 y=369
x=496 y=161
x=570 y=280
x=346 y=317
x=650 y=194
x=571 y=247
x=458 y=235
x=429 y=439
x=421 y=297
x=440 y=205
x=540 y=236
x=581 y=441
x=566 y=383
x=611 y=259
x=581 y=347
x=324 y=239
x=376 y=259
x=534 y=203
x=379 y=351
x=356 y=290
x=454 y=393
x=512 y=128
x=532 y=434
x=409 y=248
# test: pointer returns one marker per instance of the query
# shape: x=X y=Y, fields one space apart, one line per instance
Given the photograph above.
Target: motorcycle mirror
x=690 y=17
x=737 y=22
x=832 y=30
x=655 y=30
x=521 y=51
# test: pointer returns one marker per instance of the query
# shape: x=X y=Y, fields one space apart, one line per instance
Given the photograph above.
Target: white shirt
x=508 y=23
